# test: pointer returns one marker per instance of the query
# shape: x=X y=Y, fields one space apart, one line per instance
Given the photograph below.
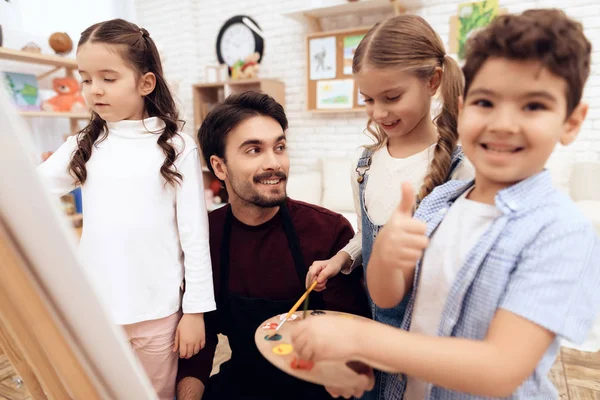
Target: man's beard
x=249 y=194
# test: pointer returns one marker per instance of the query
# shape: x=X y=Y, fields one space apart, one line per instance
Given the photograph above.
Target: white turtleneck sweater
x=141 y=237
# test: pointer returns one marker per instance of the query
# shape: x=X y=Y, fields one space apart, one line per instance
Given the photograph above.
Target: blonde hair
x=408 y=42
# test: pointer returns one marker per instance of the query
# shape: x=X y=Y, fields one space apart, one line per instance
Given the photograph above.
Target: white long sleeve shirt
x=382 y=194
x=141 y=237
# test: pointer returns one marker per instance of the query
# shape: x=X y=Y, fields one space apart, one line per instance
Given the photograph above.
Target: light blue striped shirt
x=539 y=259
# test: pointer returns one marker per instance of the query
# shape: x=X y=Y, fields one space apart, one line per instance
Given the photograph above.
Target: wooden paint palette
x=280 y=352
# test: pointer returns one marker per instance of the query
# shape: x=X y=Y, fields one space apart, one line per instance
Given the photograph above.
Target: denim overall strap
x=368 y=228
x=457 y=158
x=391 y=316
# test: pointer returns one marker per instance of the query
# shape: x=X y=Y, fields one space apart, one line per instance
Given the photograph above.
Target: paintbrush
x=305 y=307
x=295 y=307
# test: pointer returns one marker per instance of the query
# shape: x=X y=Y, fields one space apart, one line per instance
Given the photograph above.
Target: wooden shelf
x=233 y=82
x=58 y=62
x=35 y=58
x=49 y=114
x=339 y=110
x=361 y=6
x=209 y=85
x=208 y=94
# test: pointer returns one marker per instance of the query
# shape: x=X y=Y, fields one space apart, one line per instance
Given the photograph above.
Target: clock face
x=237 y=43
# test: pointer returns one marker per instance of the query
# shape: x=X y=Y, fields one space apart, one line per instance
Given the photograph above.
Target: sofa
x=329 y=184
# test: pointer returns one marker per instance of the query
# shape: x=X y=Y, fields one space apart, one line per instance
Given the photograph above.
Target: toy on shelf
x=61 y=43
x=246 y=69
x=70 y=210
x=68 y=97
x=32 y=48
x=46 y=155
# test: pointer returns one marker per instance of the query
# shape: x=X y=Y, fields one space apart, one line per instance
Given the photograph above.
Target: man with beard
x=262 y=244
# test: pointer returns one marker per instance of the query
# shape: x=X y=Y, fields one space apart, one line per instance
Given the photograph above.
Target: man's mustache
x=270 y=175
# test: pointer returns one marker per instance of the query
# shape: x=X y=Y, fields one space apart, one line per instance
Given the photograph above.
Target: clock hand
x=252 y=26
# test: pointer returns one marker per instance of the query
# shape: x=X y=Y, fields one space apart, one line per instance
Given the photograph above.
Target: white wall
x=186 y=30
x=189 y=28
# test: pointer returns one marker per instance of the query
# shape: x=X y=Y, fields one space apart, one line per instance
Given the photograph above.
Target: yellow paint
x=283 y=349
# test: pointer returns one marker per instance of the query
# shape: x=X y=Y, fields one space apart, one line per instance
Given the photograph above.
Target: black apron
x=247 y=375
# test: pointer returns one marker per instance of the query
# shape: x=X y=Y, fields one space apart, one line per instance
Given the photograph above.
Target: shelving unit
x=54 y=114
x=36 y=58
x=57 y=62
x=339 y=111
x=208 y=95
x=313 y=15
x=312 y=18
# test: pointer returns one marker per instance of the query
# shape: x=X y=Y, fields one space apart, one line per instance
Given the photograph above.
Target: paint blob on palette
x=273 y=337
x=283 y=349
x=276 y=347
x=270 y=326
x=292 y=317
x=298 y=363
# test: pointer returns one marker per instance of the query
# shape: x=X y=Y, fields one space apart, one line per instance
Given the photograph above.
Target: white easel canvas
x=43 y=234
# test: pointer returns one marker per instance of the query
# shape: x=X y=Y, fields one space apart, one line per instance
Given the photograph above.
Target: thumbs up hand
x=396 y=250
x=401 y=241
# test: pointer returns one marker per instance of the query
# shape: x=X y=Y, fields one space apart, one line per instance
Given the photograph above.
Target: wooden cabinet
x=208 y=95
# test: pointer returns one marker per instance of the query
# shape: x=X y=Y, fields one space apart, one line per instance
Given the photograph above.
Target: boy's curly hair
x=547 y=35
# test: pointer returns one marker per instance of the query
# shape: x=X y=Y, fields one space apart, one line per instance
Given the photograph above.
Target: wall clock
x=239 y=37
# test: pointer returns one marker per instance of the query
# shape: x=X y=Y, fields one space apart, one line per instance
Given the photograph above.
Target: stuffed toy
x=68 y=97
x=246 y=69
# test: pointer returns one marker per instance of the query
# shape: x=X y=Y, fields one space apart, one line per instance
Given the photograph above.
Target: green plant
x=473 y=16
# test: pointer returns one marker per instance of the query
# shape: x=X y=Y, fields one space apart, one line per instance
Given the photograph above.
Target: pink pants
x=152 y=342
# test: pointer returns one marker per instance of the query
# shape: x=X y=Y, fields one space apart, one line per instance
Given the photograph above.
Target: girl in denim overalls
x=399 y=67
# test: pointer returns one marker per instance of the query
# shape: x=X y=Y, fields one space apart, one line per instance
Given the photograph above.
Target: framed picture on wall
x=360 y=99
x=329 y=84
x=337 y=94
x=350 y=45
x=322 y=58
x=472 y=16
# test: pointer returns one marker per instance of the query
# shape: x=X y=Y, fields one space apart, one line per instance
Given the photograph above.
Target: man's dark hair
x=546 y=35
x=237 y=108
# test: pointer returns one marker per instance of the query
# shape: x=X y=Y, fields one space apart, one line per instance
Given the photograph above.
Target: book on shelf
x=23 y=90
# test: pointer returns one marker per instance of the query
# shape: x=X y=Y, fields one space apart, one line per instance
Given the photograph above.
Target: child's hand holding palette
x=276 y=347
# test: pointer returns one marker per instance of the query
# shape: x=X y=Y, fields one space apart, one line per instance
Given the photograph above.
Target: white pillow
x=585 y=184
x=337 y=190
x=305 y=186
x=352 y=217
x=591 y=209
x=560 y=165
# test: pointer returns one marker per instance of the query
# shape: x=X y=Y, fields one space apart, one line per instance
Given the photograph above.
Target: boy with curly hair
x=500 y=268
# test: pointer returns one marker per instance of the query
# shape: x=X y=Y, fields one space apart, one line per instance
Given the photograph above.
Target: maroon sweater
x=261 y=266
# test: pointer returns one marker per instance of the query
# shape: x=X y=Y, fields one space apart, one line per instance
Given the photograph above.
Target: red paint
x=301 y=364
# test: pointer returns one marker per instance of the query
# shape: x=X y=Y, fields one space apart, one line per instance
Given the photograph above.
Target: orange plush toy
x=68 y=97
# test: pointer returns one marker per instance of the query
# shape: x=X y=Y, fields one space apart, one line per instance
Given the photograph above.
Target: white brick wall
x=186 y=32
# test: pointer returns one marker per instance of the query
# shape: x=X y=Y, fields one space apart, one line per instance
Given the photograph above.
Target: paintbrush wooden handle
x=293 y=310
